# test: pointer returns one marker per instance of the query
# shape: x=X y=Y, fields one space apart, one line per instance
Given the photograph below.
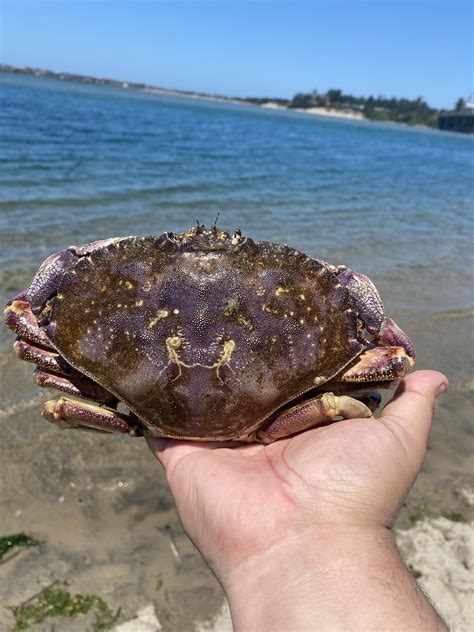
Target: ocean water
x=79 y=163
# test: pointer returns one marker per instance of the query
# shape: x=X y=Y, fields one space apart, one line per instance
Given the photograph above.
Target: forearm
x=350 y=581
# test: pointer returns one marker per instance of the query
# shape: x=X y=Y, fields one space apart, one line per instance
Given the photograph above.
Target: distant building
x=457 y=122
x=460 y=121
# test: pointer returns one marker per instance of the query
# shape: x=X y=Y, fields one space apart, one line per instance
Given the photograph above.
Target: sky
x=404 y=48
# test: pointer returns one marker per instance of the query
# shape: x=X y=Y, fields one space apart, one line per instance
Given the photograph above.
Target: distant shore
x=126 y=85
x=415 y=113
x=115 y=83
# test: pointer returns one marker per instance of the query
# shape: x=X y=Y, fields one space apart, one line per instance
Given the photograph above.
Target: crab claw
x=392 y=336
x=371 y=312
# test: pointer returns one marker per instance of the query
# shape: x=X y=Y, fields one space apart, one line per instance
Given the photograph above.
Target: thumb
x=412 y=406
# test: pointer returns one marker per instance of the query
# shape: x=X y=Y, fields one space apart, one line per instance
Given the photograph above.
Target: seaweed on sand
x=55 y=601
x=20 y=540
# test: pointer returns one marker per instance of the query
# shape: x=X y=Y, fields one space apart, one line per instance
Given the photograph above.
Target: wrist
x=328 y=580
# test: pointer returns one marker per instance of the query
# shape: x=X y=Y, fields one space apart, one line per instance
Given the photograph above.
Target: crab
x=205 y=335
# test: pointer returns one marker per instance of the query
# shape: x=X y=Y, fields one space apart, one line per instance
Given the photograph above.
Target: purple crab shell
x=203 y=335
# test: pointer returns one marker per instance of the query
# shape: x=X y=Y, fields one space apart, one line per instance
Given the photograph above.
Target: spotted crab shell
x=203 y=336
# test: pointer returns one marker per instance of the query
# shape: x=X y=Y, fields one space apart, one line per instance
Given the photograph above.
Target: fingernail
x=442 y=388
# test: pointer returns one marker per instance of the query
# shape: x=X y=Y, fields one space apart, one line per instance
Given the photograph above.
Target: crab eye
x=236 y=238
x=176 y=238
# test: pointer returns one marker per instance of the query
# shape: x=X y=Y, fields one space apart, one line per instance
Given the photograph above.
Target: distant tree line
x=380 y=108
x=411 y=111
x=263 y=100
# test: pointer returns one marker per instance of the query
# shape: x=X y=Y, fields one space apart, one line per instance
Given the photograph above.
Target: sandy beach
x=270 y=105
x=357 y=116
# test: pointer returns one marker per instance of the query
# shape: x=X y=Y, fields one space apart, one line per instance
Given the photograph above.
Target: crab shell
x=202 y=335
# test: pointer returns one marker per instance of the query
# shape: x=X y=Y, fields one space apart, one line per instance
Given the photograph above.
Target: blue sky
x=260 y=48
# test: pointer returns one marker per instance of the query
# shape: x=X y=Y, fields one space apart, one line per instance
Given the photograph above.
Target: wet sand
x=107 y=525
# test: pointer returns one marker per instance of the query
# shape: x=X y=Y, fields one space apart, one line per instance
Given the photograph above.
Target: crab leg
x=67 y=413
x=46 y=359
x=315 y=412
x=33 y=346
x=75 y=385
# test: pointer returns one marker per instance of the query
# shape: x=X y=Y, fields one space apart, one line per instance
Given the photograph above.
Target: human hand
x=308 y=495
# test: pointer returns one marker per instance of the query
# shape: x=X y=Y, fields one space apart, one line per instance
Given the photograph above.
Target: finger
x=413 y=403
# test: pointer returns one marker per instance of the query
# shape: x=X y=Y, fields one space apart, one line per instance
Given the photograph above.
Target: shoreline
x=141 y=87
x=267 y=103
x=332 y=112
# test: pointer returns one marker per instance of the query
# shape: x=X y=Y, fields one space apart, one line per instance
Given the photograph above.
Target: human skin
x=298 y=532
